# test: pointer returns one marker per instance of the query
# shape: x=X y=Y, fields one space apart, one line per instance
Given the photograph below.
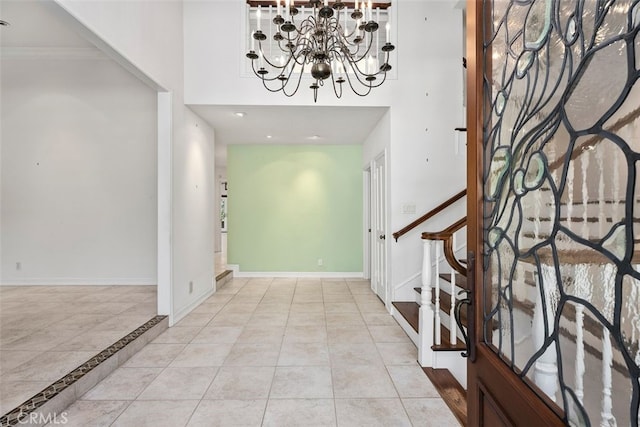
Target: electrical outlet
x=190 y=287
x=18 y=266
x=320 y=263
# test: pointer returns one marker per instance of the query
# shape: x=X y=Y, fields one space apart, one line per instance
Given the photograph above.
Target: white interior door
x=379 y=250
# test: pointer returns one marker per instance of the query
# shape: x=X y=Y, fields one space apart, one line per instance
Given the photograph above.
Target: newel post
x=426 y=315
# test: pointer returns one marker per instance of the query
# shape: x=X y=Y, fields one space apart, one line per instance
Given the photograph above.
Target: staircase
x=429 y=318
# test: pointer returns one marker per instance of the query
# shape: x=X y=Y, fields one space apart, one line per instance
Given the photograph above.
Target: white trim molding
x=306 y=274
x=81 y=281
x=176 y=317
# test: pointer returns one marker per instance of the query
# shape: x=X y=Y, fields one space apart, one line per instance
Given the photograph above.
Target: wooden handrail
x=446 y=236
x=442 y=206
x=447 y=232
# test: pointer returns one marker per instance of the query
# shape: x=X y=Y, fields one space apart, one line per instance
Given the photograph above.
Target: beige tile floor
x=47 y=331
x=272 y=352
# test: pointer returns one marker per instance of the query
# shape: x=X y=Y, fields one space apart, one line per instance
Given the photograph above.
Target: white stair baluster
x=546 y=367
x=608 y=420
x=633 y=307
x=570 y=175
x=453 y=327
x=616 y=189
x=425 y=319
x=584 y=158
x=580 y=353
x=438 y=338
x=608 y=280
x=537 y=204
x=601 y=202
x=583 y=291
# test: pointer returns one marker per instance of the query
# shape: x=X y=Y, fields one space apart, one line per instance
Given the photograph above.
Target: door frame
x=484 y=368
x=366 y=222
x=370 y=232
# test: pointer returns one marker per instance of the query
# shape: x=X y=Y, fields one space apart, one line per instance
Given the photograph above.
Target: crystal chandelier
x=336 y=43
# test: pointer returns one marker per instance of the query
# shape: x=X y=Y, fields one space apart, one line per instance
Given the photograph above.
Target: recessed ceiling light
x=314 y=137
x=4 y=23
x=240 y=114
x=269 y=136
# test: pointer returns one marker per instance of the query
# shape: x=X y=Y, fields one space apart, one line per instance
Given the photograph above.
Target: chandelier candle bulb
x=287 y=10
x=346 y=21
x=259 y=17
x=270 y=32
x=388 y=28
x=278 y=8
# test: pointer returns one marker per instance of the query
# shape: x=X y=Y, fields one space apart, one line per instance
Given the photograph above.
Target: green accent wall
x=290 y=205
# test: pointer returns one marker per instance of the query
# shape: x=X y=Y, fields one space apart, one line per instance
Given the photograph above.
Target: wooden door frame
x=487 y=364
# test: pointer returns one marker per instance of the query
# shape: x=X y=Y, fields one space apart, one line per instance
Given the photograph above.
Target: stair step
x=445 y=344
x=461 y=281
x=451 y=392
x=410 y=311
x=445 y=303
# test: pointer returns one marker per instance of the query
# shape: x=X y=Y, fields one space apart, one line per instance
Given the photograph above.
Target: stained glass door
x=555 y=102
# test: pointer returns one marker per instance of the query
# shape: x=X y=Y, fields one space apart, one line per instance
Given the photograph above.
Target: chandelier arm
x=335 y=90
x=368 y=86
x=364 y=57
x=261 y=76
x=266 y=59
x=284 y=49
x=284 y=84
x=282 y=87
x=358 y=47
x=356 y=69
x=379 y=81
x=358 y=74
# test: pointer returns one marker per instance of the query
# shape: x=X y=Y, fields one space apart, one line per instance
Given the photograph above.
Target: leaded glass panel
x=561 y=147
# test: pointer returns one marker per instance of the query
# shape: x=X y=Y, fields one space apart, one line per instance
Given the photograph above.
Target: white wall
x=193 y=215
x=429 y=60
x=424 y=167
x=78 y=173
x=149 y=35
x=215 y=63
x=378 y=140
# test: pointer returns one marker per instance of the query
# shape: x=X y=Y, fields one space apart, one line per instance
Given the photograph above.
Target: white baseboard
x=79 y=281
x=182 y=313
x=305 y=274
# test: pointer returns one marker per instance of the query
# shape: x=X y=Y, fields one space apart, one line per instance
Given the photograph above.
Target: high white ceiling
x=288 y=125
x=35 y=24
